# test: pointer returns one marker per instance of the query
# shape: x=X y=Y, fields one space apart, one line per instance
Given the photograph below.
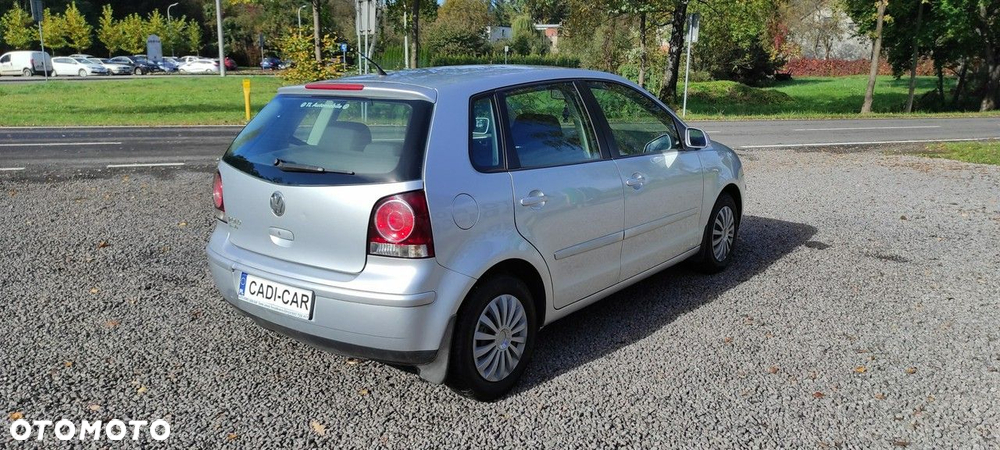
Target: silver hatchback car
x=437 y=218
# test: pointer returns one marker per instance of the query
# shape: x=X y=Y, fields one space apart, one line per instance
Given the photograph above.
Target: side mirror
x=696 y=138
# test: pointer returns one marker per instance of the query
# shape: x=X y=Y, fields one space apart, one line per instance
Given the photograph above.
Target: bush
x=842 y=67
x=497 y=58
x=731 y=92
x=297 y=48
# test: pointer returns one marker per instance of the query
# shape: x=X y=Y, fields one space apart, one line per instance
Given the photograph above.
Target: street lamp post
x=171 y=25
x=300 y=16
x=222 y=54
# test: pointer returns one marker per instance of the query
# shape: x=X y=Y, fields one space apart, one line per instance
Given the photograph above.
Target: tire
x=715 y=256
x=138 y=71
x=82 y=73
x=486 y=304
x=27 y=72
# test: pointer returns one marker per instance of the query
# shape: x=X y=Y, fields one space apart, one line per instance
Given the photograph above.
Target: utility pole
x=693 y=20
x=171 y=25
x=37 y=15
x=222 y=52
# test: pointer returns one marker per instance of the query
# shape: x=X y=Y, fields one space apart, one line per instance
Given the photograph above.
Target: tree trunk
x=415 y=40
x=939 y=70
x=916 y=53
x=668 y=89
x=961 y=83
x=643 y=57
x=876 y=52
x=317 y=40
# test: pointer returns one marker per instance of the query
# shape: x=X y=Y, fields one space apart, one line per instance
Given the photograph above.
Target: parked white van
x=25 y=62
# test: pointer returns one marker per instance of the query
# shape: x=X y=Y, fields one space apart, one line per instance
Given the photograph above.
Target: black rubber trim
x=412 y=358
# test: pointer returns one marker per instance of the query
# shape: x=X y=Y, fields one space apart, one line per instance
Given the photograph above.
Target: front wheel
x=719 y=239
x=494 y=338
x=82 y=73
x=138 y=71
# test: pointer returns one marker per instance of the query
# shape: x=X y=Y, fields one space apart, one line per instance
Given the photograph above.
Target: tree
x=76 y=30
x=668 y=88
x=866 y=107
x=982 y=17
x=415 y=32
x=17 y=28
x=192 y=36
x=132 y=29
x=109 y=32
x=459 y=28
x=55 y=30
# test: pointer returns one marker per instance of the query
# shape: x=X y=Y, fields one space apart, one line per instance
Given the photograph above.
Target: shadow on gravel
x=639 y=311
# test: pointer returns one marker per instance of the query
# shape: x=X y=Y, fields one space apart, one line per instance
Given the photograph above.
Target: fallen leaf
x=880 y=396
x=112 y=323
x=861 y=369
x=68 y=363
x=363 y=391
x=353 y=361
x=231 y=437
x=900 y=443
x=911 y=370
x=142 y=390
x=94 y=407
x=728 y=340
x=818 y=394
x=317 y=428
x=103 y=244
x=94 y=290
x=16 y=415
x=902 y=217
x=773 y=370
x=182 y=224
x=125 y=178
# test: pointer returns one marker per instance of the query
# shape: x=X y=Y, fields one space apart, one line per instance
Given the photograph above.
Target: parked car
x=113 y=68
x=186 y=59
x=272 y=63
x=81 y=55
x=69 y=67
x=139 y=66
x=167 y=65
x=230 y=63
x=437 y=218
x=200 y=66
x=25 y=63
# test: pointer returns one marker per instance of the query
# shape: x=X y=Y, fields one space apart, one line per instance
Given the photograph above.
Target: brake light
x=219 y=203
x=336 y=86
x=400 y=226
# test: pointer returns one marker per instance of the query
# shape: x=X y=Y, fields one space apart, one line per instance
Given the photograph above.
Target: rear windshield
x=307 y=140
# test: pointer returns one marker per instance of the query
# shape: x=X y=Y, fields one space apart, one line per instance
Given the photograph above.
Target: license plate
x=276 y=296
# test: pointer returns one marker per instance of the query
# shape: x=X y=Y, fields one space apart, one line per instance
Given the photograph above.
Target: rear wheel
x=27 y=72
x=719 y=239
x=494 y=338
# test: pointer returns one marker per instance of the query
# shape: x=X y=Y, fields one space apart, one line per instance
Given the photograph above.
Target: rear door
x=6 y=65
x=567 y=195
x=663 y=180
x=304 y=175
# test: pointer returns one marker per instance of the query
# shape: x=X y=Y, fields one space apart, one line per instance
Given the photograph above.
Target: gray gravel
x=863 y=310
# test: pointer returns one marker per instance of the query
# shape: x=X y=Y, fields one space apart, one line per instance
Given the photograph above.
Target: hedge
x=532 y=60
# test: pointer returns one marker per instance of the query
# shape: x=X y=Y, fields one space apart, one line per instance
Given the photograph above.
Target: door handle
x=636 y=181
x=535 y=199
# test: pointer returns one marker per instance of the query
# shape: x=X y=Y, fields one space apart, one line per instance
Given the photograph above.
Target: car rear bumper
x=395 y=311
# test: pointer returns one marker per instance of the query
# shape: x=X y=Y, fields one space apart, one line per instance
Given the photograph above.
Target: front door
x=663 y=181
x=567 y=196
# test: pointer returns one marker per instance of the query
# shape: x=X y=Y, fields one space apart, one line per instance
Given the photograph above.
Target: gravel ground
x=863 y=311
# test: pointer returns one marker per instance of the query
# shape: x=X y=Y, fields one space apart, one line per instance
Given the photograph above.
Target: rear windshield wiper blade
x=296 y=167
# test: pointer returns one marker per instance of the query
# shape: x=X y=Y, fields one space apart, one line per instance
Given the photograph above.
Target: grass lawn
x=213 y=100
x=987 y=152
x=154 y=100
x=807 y=97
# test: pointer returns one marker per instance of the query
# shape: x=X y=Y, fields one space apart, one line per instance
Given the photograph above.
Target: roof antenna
x=380 y=71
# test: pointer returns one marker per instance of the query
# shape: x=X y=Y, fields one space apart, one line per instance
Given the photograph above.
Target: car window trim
x=501 y=148
x=679 y=124
x=514 y=164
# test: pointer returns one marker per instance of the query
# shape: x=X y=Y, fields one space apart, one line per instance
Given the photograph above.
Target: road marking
x=834 y=144
x=44 y=144
x=10 y=169
x=915 y=127
x=117 y=166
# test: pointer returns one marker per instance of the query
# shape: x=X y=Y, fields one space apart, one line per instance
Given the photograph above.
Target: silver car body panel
x=477 y=223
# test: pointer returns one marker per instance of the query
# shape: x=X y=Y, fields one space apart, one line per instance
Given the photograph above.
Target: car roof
x=459 y=80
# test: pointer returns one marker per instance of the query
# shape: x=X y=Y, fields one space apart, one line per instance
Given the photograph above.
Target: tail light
x=401 y=227
x=219 y=203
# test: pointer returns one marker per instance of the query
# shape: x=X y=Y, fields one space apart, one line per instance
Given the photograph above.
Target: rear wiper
x=296 y=167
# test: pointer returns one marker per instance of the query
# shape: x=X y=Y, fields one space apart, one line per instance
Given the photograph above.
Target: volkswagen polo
x=438 y=218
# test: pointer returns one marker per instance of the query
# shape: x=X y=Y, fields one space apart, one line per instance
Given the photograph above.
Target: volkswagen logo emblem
x=277 y=203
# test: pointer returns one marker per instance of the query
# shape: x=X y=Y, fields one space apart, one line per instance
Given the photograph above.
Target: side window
x=5 y=59
x=484 y=147
x=637 y=123
x=549 y=127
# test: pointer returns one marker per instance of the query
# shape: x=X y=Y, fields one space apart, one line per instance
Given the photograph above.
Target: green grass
x=807 y=97
x=987 y=152
x=157 y=100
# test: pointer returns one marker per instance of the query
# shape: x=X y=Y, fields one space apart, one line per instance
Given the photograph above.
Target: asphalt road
x=45 y=149
x=860 y=311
